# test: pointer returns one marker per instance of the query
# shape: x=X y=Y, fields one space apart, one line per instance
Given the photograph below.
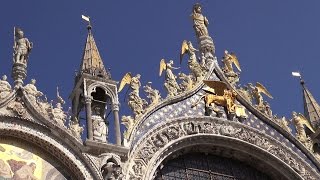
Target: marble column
x=115 y=109
x=88 y=100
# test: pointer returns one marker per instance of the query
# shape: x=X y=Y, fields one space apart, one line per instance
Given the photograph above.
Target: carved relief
x=75 y=128
x=111 y=167
x=17 y=106
x=187 y=82
x=166 y=134
x=153 y=95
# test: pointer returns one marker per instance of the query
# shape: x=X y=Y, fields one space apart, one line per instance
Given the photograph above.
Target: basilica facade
x=206 y=126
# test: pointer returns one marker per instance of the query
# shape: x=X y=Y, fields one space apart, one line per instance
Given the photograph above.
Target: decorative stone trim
x=145 y=156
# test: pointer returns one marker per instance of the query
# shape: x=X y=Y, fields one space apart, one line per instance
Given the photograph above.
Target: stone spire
x=91 y=60
x=311 y=107
x=95 y=94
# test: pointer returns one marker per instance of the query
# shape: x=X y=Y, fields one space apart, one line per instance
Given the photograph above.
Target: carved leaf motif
x=17 y=107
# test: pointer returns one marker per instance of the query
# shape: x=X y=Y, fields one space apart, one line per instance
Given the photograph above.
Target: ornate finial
x=21 y=50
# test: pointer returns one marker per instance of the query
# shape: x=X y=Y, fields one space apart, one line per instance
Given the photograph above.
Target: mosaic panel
x=20 y=162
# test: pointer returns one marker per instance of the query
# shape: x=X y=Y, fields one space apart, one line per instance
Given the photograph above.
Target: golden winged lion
x=218 y=94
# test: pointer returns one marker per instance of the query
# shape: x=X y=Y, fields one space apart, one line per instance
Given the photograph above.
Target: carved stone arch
x=179 y=134
x=77 y=164
x=107 y=89
x=225 y=147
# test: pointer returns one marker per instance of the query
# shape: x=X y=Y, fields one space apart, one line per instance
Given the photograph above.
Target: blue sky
x=270 y=38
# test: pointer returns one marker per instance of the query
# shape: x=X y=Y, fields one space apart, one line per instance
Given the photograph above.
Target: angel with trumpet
x=170 y=84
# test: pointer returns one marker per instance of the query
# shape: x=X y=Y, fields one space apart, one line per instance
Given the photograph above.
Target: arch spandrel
x=166 y=138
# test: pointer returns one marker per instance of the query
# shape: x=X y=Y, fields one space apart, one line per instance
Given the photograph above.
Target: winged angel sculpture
x=170 y=83
x=194 y=66
x=228 y=61
x=135 y=102
x=300 y=122
x=218 y=94
x=256 y=94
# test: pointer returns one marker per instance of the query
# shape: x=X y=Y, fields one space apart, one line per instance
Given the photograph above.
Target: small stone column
x=88 y=100
x=115 y=109
x=19 y=73
x=206 y=46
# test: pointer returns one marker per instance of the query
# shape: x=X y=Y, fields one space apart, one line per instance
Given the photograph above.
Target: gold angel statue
x=228 y=60
x=256 y=93
x=135 y=103
x=133 y=81
x=194 y=66
x=170 y=84
x=300 y=122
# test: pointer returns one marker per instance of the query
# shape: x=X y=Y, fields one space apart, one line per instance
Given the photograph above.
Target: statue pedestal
x=206 y=46
x=19 y=73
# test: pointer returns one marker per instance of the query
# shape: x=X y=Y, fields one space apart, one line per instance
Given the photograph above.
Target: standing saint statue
x=22 y=47
x=32 y=91
x=200 y=22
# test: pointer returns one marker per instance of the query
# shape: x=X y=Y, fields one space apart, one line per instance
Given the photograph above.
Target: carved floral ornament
x=148 y=153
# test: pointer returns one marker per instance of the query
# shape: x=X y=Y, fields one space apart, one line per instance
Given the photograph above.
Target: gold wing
x=184 y=49
x=235 y=61
x=163 y=66
x=209 y=90
x=305 y=122
x=262 y=89
x=218 y=86
x=125 y=80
